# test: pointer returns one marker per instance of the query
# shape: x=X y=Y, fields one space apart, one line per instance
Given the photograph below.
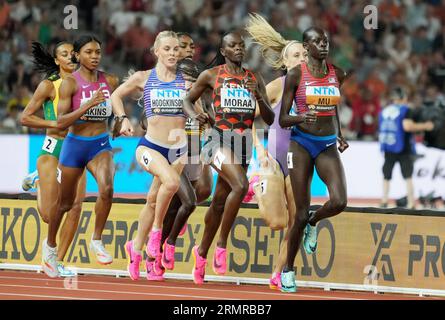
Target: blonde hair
x=273 y=45
x=161 y=35
x=129 y=74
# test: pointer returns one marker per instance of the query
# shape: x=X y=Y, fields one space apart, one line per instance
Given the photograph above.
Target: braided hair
x=43 y=61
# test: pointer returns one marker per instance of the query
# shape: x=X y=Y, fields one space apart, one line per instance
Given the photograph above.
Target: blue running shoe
x=64 y=273
x=310 y=237
x=30 y=181
x=288 y=282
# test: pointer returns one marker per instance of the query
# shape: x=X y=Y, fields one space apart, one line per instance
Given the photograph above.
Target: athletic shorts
x=240 y=145
x=170 y=153
x=314 y=145
x=77 y=151
x=406 y=164
x=51 y=147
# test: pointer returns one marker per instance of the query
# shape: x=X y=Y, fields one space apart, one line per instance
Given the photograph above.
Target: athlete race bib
x=237 y=100
x=49 y=144
x=322 y=98
x=192 y=126
x=166 y=101
x=99 y=112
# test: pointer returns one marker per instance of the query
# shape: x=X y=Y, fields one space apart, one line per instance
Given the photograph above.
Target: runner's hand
x=252 y=86
x=122 y=126
x=126 y=128
x=203 y=118
x=98 y=98
x=310 y=117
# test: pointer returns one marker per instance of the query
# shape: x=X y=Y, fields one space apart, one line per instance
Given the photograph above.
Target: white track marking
x=42 y=296
x=188 y=288
x=115 y=292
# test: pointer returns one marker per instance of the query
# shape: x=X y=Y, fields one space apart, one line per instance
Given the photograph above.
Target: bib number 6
x=146 y=159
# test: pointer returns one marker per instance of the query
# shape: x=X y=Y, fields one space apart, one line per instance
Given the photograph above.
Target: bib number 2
x=49 y=144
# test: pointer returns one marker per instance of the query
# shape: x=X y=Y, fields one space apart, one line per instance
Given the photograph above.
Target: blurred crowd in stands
x=407 y=49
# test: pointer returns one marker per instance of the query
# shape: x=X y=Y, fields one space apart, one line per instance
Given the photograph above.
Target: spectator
x=5 y=10
x=396 y=128
x=11 y=123
x=434 y=109
x=433 y=23
x=5 y=58
x=413 y=68
x=437 y=70
x=45 y=30
x=121 y=20
x=19 y=76
x=149 y=19
x=180 y=21
x=375 y=84
x=420 y=42
x=398 y=54
x=439 y=40
x=365 y=108
x=136 y=5
x=136 y=41
x=87 y=8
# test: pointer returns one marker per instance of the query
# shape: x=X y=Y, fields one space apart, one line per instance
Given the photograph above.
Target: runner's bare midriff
x=168 y=130
x=89 y=129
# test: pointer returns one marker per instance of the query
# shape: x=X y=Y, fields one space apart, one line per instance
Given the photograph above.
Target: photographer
x=396 y=125
x=433 y=109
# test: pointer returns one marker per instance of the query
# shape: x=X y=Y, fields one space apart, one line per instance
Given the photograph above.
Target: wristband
x=120 y=117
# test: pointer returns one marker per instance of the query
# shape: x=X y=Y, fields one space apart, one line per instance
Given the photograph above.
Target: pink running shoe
x=199 y=267
x=134 y=261
x=275 y=281
x=151 y=274
x=251 y=192
x=168 y=256
x=220 y=261
x=158 y=268
x=154 y=244
x=183 y=230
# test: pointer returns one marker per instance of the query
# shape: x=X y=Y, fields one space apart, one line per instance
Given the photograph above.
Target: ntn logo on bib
x=237 y=98
x=166 y=101
x=167 y=93
x=322 y=95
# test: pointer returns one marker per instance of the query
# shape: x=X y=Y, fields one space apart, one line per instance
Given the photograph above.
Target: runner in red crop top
x=315 y=123
x=237 y=96
x=234 y=109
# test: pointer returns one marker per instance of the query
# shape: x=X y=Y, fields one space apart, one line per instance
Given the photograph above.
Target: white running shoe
x=30 y=181
x=49 y=260
x=64 y=272
x=102 y=256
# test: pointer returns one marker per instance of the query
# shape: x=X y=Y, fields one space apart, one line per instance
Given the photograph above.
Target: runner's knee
x=241 y=187
x=75 y=211
x=106 y=192
x=171 y=185
x=66 y=206
x=203 y=192
x=338 y=204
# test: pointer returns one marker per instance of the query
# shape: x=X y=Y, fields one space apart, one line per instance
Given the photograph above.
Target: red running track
x=18 y=285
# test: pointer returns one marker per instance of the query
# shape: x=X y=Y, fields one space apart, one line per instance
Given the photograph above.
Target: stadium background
x=406 y=50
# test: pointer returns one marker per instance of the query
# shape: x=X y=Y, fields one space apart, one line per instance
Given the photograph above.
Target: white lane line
x=116 y=292
x=41 y=296
x=192 y=289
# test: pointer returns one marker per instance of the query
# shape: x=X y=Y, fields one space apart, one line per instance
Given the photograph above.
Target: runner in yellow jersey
x=55 y=67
